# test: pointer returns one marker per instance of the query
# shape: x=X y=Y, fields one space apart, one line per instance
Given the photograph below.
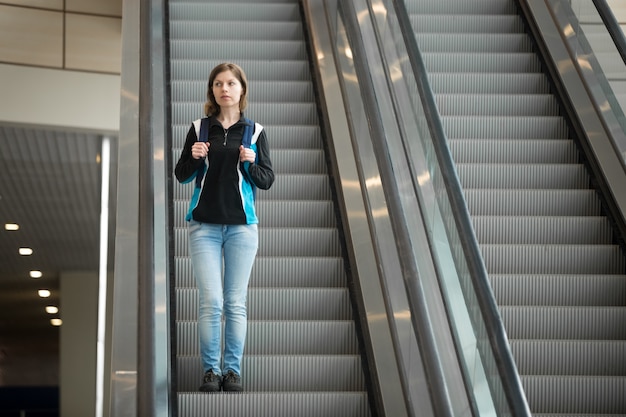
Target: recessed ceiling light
x=11 y=226
x=56 y=322
x=52 y=309
x=44 y=293
x=36 y=274
x=26 y=251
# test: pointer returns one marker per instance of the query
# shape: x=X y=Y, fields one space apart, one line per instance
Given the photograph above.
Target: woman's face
x=227 y=90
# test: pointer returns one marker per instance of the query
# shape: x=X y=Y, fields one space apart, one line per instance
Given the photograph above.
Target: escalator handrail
x=497 y=336
x=612 y=26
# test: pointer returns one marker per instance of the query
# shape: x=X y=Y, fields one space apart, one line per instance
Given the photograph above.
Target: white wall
x=59 y=98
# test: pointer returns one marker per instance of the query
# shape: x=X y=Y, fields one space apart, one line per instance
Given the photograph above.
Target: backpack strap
x=204 y=137
x=248 y=131
x=204 y=130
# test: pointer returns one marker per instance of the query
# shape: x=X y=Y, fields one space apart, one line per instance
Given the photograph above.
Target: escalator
x=555 y=268
x=302 y=353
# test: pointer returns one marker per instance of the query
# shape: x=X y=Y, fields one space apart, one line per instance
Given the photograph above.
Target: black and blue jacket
x=225 y=189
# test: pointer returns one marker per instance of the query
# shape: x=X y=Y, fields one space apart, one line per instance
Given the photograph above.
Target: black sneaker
x=232 y=382
x=211 y=382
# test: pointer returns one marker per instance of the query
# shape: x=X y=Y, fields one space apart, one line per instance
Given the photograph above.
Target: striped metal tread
x=571 y=322
x=286 y=241
x=542 y=230
x=466 y=7
x=272 y=271
x=259 y=30
x=286 y=187
x=559 y=290
x=482 y=62
x=497 y=104
x=470 y=42
x=279 y=136
x=488 y=83
x=296 y=90
x=284 y=373
x=197 y=70
x=505 y=127
x=576 y=395
x=269 y=113
x=553 y=259
x=507 y=202
x=433 y=23
x=328 y=337
x=279 y=213
x=279 y=304
x=570 y=357
x=523 y=176
x=275 y=404
x=233 y=10
x=513 y=151
x=235 y=50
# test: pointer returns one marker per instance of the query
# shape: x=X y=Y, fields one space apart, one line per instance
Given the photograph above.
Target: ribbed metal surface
x=301 y=356
x=296 y=338
x=556 y=273
x=271 y=271
x=284 y=373
x=281 y=404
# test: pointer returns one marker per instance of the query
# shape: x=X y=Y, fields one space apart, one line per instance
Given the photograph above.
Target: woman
x=228 y=157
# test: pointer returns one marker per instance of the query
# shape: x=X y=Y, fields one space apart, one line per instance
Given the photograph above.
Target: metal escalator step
x=299 y=161
x=576 y=395
x=285 y=241
x=505 y=127
x=269 y=113
x=279 y=213
x=570 y=357
x=566 y=323
x=487 y=83
x=559 y=289
x=229 y=10
x=553 y=259
x=219 y=29
x=279 y=304
x=284 y=373
x=275 y=404
x=285 y=187
x=279 y=137
x=271 y=271
x=502 y=202
x=472 y=43
x=483 y=62
x=306 y=214
x=332 y=337
x=433 y=23
x=523 y=176
x=264 y=91
x=197 y=70
x=468 y=7
x=513 y=151
x=238 y=50
x=539 y=230
x=497 y=105
x=284 y=113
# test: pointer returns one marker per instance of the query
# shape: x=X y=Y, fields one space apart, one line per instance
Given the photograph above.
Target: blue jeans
x=231 y=248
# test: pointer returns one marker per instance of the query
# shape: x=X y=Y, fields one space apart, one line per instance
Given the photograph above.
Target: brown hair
x=211 y=107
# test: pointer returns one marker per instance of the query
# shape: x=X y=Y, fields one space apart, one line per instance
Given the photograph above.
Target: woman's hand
x=246 y=154
x=200 y=150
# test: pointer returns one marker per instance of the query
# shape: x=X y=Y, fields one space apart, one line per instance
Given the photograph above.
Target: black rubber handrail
x=495 y=329
x=612 y=26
